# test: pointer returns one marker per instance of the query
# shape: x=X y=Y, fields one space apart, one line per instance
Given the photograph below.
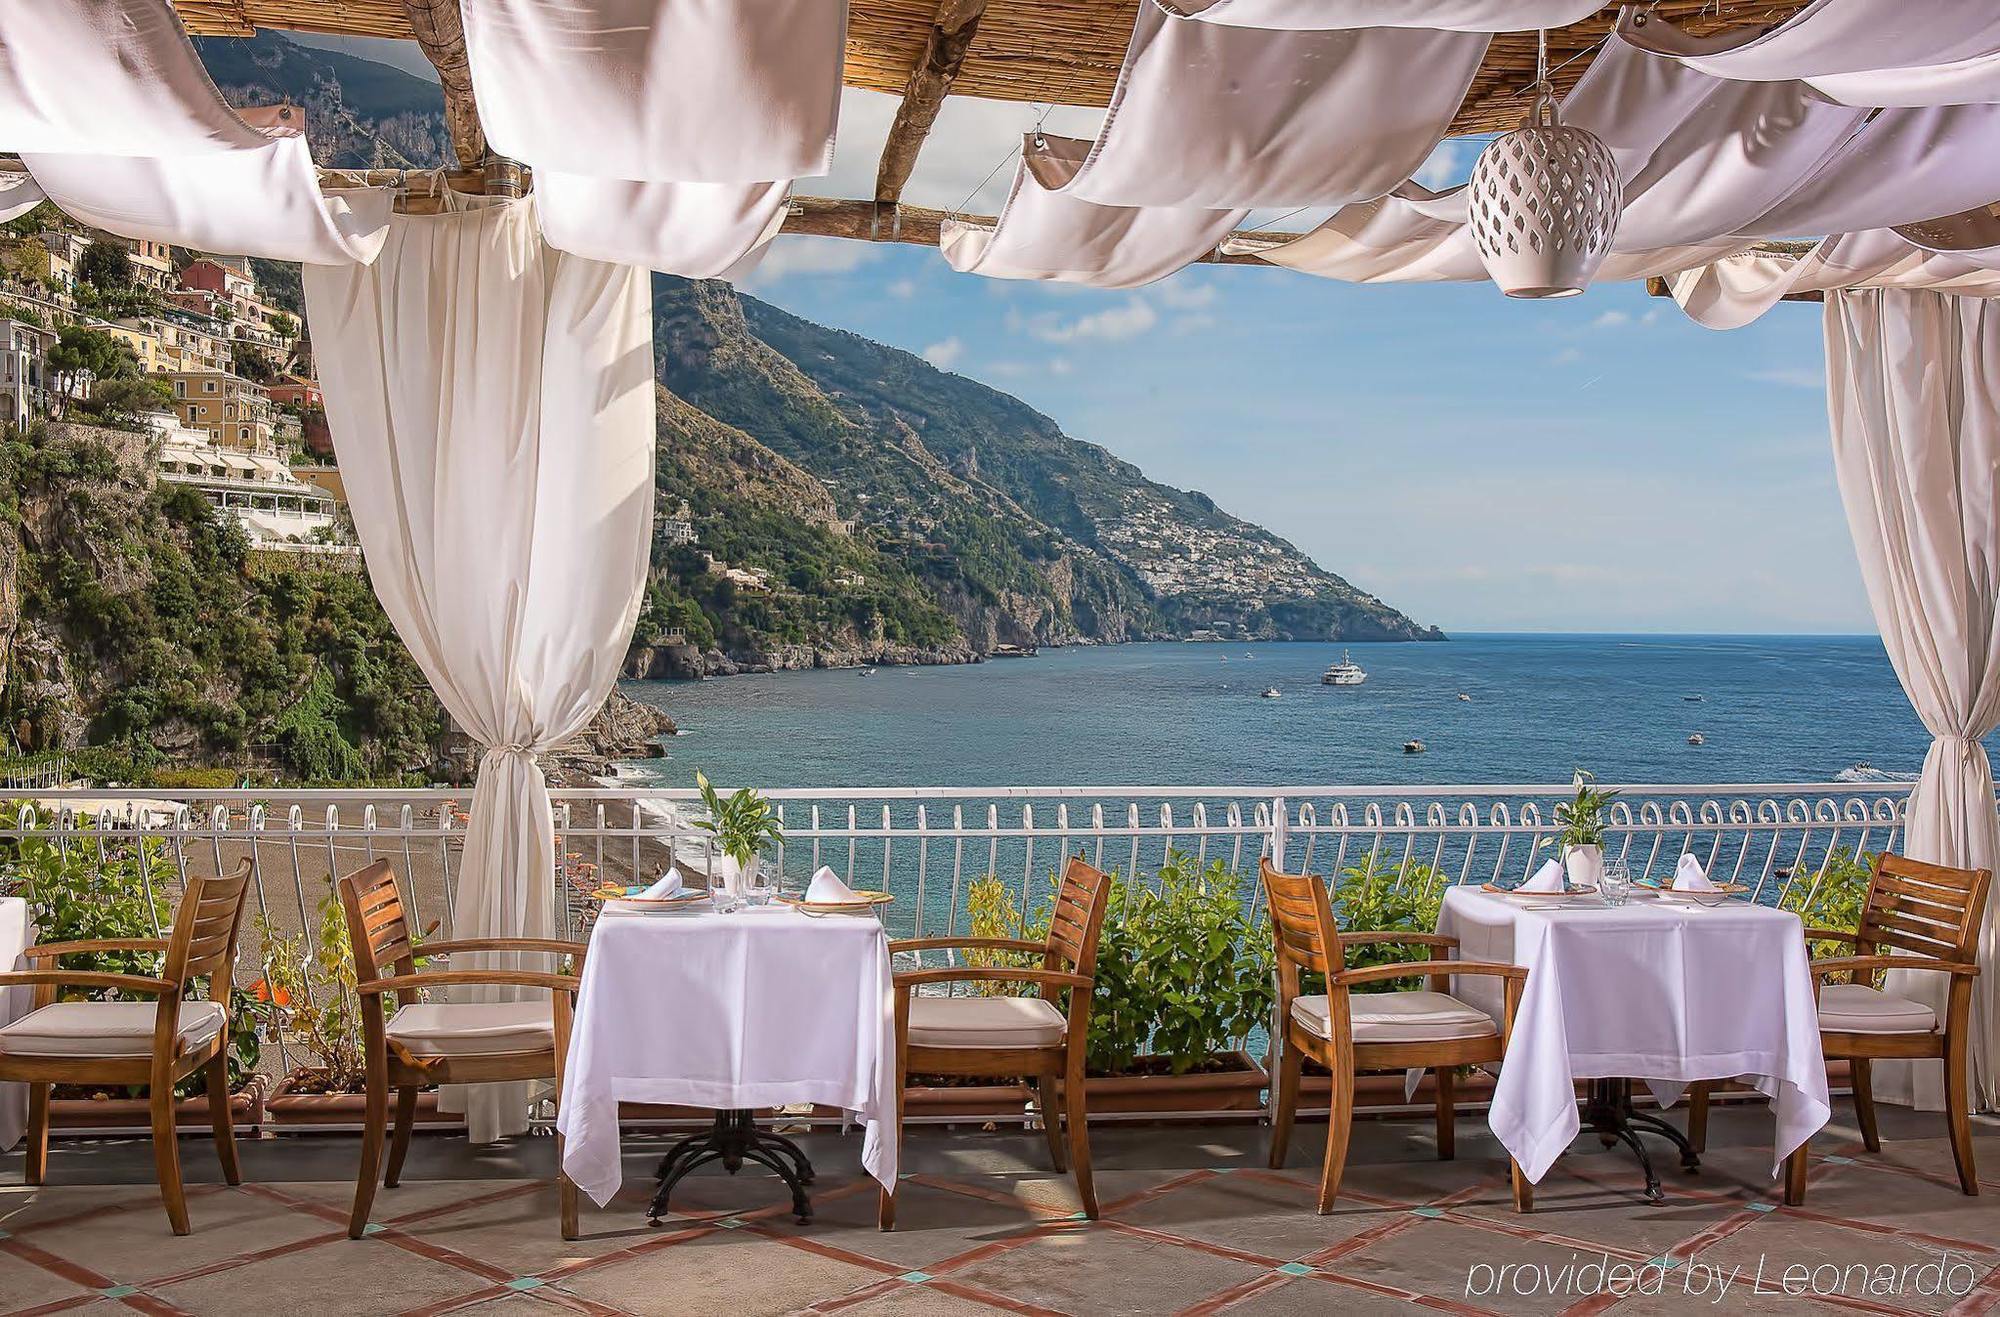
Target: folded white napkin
x=668 y=885
x=1548 y=878
x=1689 y=876
x=827 y=887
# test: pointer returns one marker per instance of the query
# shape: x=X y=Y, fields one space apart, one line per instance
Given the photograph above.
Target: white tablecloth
x=1667 y=993
x=753 y=1009
x=17 y=933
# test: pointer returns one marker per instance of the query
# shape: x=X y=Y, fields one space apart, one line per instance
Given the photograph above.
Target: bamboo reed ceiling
x=1064 y=52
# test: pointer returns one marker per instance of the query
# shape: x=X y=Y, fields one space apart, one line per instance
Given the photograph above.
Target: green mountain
x=848 y=501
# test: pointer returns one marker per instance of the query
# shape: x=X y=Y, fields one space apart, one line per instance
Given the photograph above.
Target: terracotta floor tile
x=727 y=1271
x=25 y=1285
x=23 y=1206
x=1256 y=1215
x=932 y=1225
x=344 y=1278
x=138 y=1246
x=1446 y=1260
x=522 y=1234
x=1780 y=1241
x=1100 y=1270
x=920 y=1301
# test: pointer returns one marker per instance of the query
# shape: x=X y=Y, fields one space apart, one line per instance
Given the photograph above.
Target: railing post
x=1278 y=832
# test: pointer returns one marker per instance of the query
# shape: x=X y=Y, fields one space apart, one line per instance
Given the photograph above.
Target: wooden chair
x=1013 y=1037
x=444 y=1042
x=1347 y=1032
x=134 y=1042
x=1918 y=917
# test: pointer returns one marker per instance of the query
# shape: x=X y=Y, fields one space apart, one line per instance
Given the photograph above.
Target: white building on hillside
x=276 y=509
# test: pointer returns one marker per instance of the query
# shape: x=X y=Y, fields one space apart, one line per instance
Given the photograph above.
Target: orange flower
x=264 y=992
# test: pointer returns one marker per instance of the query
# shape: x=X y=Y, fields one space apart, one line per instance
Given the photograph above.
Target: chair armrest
x=553 y=946
x=53 y=950
x=452 y=978
x=1844 y=964
x=1053 y=978
x=1414 y=939
x=85 y=979
x=979 y=943
x=1410 y=969
x=1829 y=935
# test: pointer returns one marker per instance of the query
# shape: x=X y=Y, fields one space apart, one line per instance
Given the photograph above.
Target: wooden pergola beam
x=951 y=34
x=440 y=31
x=919 y=225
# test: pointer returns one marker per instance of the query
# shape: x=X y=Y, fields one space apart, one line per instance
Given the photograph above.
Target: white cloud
x=945 y=353
x=797 y=253
x=1566 y=357
x=903 y=288
x=1187 y=296
x=1610 y=320
x=1791 y=377
x=1443 y=167
x=1059 y=366
x=1114 y=323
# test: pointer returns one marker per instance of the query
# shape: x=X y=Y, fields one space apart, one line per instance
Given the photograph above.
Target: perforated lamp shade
x=1544 y=203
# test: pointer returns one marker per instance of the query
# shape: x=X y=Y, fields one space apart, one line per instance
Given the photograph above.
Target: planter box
x=1238 y=1088
x=123 y=1115
x=967 y=1101
x=289 y=1109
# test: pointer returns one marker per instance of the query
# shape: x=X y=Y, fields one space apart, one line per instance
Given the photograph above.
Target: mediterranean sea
x=1767 y=709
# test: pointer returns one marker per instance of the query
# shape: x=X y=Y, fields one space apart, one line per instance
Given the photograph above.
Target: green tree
x=122 y=399
x=251 y=363
x=82 y=354
x=283 y=325
x=27 y=259
x=105 y=266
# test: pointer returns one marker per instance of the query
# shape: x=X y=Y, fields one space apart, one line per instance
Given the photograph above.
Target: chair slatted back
x=1923 y=909
x=1078 y=918
x=202 y=942
x=1307 y=940
x=378 y=926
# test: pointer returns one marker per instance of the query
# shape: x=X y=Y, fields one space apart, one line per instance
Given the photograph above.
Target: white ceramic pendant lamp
x=1544 y=201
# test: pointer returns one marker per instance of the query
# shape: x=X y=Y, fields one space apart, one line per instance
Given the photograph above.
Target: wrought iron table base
x=733 y=1140
x=1608 y=1110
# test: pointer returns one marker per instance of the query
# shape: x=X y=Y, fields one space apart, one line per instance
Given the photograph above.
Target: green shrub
x=1371 y=897
x=1834 y=899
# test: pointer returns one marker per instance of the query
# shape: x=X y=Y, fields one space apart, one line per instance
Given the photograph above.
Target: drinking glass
x=760 y=885
x=1616 y=885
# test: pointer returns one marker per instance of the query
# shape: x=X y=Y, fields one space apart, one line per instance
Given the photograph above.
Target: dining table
x=1667 y=989
x=737 y=1012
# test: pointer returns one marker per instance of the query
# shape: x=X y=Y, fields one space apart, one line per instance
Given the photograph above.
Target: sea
x=1488 y=709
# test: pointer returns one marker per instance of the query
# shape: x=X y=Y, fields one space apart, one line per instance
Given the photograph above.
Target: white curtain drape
x=119 y=124
x=18 y=196
x=1451 y=15
x=491 y=400
x=662 y=132
x=1913 y=394
x=1857 y=52
x=1951 y=257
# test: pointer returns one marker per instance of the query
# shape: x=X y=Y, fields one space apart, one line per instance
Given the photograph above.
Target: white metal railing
x=928 y=845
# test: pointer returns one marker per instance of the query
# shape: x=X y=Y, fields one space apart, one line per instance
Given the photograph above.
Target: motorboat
x=1344 y=673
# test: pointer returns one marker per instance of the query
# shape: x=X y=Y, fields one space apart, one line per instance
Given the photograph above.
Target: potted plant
x=1581 y=836
x=311 y=995
x=990 y=912
x=78 y=893
x=742 y=823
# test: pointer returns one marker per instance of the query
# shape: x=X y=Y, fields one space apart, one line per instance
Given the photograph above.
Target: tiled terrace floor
x=1192 y=1223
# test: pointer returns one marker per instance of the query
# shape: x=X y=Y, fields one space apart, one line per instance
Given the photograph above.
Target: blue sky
x=1596 y=464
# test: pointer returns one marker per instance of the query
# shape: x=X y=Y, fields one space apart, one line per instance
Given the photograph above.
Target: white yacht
x=1344 y=673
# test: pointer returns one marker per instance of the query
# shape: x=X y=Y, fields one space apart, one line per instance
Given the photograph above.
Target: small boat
x=1463 y=696
x=1414 y=747
x=1694 y=699
x=1697 y=739
x=1344 y=673
x=1270 y=692
x=867 y=672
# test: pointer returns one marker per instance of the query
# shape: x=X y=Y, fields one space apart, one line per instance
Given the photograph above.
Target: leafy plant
x=1182 y=972
x=1371 y=897
x=1833 y=899
x=990 y=912
x=1581 y=819
x=742 y=823
x=309 y=988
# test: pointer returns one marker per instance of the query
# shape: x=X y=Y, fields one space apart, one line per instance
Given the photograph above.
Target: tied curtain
x=1913 y=395
x=491 y=401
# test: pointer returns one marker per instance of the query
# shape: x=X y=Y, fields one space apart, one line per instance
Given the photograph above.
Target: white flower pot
x=725 y=873
x=1584 y=865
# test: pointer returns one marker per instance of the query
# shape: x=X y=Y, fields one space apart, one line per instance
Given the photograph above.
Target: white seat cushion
x=444 y=1028
x=105 y=1028
x=985 y=1022
x=1398 y=1017
x=1858 y=1008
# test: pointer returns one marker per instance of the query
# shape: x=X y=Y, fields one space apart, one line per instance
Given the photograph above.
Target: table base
x=733 y=1140
x=1608 y=1110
